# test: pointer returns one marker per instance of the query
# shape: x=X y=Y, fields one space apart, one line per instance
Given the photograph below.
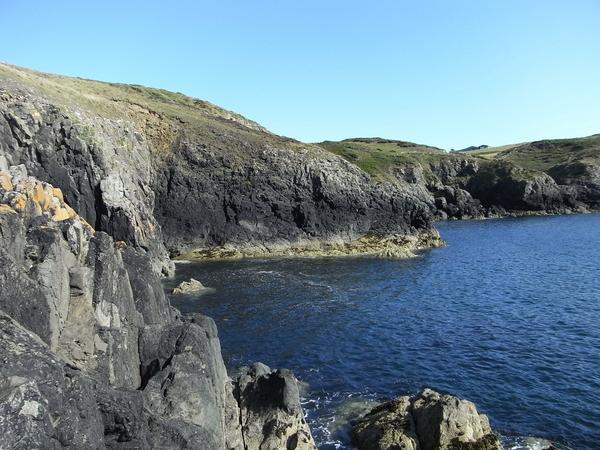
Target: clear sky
x=450 y=73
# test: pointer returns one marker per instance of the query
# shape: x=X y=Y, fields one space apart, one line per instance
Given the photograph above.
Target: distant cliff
x=559 y=176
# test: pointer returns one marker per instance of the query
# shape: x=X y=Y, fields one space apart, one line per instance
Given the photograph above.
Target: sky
x=449 y=73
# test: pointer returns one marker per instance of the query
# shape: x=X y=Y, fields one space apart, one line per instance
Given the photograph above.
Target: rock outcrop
x=94 y=356
x=580 y=179
x=427 y=421
x=270 y=414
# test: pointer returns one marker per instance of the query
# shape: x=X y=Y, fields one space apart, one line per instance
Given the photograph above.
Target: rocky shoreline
x=99 y=358
x=95 y=356
x=385 y=246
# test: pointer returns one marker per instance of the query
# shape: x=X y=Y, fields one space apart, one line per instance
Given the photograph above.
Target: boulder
x=388 y=426
x=426 y=421
x=270 y=413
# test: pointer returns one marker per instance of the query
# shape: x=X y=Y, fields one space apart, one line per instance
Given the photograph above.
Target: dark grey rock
x=148 y=293
x=184 y=377
x=270 y=413
x=43 y=402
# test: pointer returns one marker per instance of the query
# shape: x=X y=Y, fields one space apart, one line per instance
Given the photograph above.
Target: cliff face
x=171 y=174
x=275 y=197
x=94 y=355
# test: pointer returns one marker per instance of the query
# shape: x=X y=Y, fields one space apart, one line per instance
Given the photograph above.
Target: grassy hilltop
x=378 y=156
x=545 y=154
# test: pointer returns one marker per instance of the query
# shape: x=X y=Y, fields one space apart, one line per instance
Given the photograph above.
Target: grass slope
x=378 y=156
x=545 y=154
x=161 y=115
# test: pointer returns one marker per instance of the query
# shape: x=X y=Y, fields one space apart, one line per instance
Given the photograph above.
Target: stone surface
x=386 y=427
x=270 y=414
x=184 y=376
x=427 y=421
x=44 y=403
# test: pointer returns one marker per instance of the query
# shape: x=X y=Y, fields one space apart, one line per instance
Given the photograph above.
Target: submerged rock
x=192 y=286
x=427 y=421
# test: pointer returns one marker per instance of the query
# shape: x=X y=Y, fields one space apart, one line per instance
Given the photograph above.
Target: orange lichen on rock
x=57 y=193
x=41 y=195
x=63 y=213
x=6 y=209
x=5 y=181
x=33 y=198
x=19 y=202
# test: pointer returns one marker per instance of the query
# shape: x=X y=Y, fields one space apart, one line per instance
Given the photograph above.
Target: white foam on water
x=524 y=443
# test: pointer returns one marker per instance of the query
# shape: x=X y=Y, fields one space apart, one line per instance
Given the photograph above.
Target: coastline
x=379 y=245
x=518 y=213
x=371 y=244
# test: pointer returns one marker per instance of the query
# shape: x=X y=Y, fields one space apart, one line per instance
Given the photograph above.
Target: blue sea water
x=506 y=315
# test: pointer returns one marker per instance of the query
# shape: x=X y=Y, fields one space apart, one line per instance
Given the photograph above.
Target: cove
x=507 y=314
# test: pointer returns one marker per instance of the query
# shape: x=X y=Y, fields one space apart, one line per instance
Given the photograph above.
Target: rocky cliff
x=95 y=357
x=170 y=174
x=536 y=178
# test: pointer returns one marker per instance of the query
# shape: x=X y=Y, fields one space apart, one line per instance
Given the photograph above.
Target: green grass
x=114 y=99
x=545 y=154
x=377 y=156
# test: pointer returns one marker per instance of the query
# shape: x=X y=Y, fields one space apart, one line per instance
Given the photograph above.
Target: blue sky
x=445 y=73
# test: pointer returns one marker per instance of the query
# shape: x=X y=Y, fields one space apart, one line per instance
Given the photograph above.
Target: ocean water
x=506 y=315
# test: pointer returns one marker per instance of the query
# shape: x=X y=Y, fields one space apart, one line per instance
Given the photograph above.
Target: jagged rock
x=386 y=427
x=44 y=403
x=270 y=413
x=427 y=421
x=189 y=287
x=107 y=339
x=148 y=293
x=581 y=179
x=118 y=322
x=184 y=376
x=447 y=422
x=78 y=152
